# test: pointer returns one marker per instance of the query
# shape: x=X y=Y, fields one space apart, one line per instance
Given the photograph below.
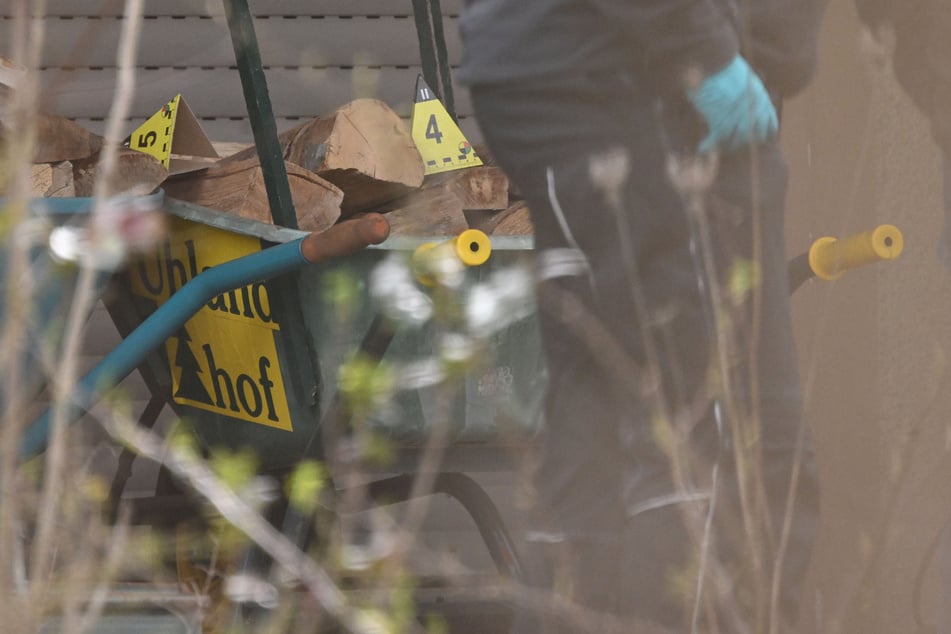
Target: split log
x=434 y=211
x=480 y=188
x=136 y=174
x=52 y=180
x=363 y=147
x=513 y=221
x=59 y=139
x=237 y=187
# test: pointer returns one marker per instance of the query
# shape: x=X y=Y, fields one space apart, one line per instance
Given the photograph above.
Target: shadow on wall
x=872 y=344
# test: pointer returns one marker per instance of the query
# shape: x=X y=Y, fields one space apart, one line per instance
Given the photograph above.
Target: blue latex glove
x=736 y=107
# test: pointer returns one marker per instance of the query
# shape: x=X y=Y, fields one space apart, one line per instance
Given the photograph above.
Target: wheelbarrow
x=240 y=350
x=249 y=372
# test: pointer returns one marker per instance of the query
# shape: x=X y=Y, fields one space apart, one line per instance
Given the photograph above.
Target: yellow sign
x=224 y=359
x=439 y=140
x=154 y=137
x=174 y=136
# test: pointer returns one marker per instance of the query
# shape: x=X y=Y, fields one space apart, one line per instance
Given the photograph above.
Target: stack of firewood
x=359 y=158
x=65 y=156
x=65 y=162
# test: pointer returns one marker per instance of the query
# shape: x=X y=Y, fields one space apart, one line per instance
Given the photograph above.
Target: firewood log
x=363 y=147
x=237 y=187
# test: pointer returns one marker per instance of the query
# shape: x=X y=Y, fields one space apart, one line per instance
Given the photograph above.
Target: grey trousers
x=659 y=325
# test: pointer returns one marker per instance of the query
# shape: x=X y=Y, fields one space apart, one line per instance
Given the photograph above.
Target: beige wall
x=873 y=345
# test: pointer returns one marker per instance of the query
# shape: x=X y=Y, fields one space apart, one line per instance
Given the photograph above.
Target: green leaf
x=234 y=469
x=305 y=484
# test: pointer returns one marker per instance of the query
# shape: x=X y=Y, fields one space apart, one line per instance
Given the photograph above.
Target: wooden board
x=205 y=43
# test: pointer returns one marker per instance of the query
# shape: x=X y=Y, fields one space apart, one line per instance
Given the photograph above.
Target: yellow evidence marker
x=439 y=140
x=174 y=136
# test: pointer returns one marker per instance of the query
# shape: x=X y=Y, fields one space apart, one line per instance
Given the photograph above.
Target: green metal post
x=261 y=114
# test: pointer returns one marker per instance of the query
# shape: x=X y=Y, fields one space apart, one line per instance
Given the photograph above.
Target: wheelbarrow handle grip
x=830 y=257
x=345 y=237
x=471 y=247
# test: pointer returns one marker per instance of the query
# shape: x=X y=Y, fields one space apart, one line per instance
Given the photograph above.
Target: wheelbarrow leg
x=474 y=500
x=124 y=468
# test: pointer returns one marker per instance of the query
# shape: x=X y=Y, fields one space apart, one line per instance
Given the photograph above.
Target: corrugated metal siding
x=317 y=56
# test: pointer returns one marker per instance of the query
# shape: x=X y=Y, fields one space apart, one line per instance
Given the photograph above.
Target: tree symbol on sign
x=189 y=383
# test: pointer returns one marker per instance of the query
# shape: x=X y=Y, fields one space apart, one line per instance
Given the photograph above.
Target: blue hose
x=164 y=322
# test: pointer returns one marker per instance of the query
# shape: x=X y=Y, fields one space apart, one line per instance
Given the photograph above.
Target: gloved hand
x=736 y=107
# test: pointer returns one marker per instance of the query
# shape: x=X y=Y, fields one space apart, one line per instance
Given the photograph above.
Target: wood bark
x=237 y=187
x=136 y=174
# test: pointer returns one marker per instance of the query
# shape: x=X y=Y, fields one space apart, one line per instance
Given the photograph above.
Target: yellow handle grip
x=830 y=257
x=471 y=247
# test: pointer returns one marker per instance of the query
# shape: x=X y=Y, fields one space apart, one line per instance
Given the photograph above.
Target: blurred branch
x=83 y=299
x=196 y=474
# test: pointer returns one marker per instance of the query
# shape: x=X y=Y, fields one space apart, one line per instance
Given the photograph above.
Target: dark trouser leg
x=592 y=167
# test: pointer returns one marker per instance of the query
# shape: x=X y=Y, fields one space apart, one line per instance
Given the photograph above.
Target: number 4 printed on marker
x=432 y=129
